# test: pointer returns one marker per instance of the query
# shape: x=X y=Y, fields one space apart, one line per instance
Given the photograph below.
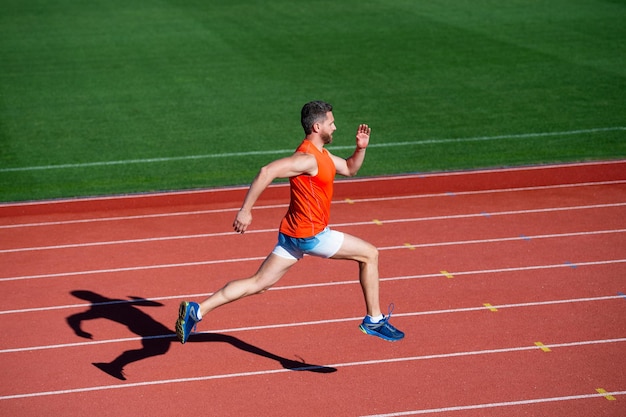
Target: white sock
x=199 y=314
x=376 y=319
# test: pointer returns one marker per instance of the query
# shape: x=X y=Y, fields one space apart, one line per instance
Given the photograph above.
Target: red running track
x=510 y=285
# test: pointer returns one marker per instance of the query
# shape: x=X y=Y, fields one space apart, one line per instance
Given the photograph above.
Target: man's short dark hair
x=313 y=112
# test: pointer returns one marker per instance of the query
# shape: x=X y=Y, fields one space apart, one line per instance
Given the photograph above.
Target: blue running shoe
x=187 y=320
x=382 y=329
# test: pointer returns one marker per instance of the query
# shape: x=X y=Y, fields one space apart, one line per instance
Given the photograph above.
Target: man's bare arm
x=350 y=166
x=296 y=164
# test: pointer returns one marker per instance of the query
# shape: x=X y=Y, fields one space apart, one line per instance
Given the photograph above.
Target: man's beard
x=327 y=138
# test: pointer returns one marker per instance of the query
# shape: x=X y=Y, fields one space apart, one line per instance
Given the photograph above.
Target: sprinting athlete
x=304 y=229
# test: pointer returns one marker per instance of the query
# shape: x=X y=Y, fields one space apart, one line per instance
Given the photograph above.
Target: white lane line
x=282 y=206
x=258 y=258
x=284 y=151
x=364 y=223
x=135 y=217
x=326 y=284
x=312 y=323
x=492 y=191
x=505 y=239
x=499 y=404
x=337 y=365
x=133 y=268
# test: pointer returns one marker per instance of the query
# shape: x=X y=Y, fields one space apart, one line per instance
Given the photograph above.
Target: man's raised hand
x=363 y=136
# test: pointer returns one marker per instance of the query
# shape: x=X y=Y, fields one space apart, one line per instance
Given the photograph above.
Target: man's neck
x=316 y=140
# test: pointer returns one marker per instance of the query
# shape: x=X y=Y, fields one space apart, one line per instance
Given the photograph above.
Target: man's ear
x=316 y=127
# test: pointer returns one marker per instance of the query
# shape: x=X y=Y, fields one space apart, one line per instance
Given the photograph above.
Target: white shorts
x=325 y=244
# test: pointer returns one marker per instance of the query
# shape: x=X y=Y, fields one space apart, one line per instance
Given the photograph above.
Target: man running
x=304 y=229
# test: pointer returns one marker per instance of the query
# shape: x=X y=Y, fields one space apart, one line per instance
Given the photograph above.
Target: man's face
x=327 y=127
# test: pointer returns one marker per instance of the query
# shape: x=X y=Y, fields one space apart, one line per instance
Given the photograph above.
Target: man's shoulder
x=305 y=146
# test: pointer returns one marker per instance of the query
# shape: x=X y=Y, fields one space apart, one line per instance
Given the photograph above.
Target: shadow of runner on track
x=155 y=337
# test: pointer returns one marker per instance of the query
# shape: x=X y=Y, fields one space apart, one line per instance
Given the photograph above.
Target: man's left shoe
x=187 y=320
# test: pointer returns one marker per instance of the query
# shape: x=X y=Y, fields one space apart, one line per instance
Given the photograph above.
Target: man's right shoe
x=382 y=329
x=187 y=320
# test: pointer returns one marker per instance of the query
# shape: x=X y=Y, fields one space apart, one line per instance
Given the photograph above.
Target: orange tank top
x=309 y=208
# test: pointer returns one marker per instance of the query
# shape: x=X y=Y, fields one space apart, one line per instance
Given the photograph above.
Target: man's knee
x=371 y=255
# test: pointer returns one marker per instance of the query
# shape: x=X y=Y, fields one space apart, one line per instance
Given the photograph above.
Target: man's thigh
x=355 y=248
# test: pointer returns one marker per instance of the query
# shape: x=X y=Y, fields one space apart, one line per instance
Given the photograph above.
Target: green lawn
x=119 y=97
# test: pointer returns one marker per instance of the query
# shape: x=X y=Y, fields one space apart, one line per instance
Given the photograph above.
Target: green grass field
x=122 y=97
